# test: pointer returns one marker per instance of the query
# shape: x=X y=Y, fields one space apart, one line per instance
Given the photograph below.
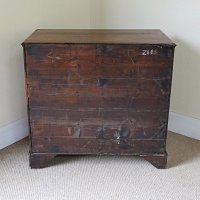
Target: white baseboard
x=13 y=132
x=183 y=125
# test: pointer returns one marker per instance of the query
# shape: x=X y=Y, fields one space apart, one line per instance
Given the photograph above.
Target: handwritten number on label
x=149 y=52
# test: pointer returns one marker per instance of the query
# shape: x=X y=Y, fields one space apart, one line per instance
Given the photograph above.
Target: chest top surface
x=94 y=36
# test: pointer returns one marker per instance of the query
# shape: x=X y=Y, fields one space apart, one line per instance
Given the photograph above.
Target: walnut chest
x=103 y=92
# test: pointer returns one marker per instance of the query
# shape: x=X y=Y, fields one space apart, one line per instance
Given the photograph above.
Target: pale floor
x=102 y=178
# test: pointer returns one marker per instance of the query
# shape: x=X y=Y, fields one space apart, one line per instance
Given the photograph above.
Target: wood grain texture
x=96 y=96
x=99 y=36
x=60 y=145
x=94 y=123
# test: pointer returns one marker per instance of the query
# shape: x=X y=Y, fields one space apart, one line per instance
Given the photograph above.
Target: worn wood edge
x=94 y=138
x=87 y=154
x=23 y=44
x=92 y=31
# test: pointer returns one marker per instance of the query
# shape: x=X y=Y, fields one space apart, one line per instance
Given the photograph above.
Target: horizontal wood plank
x=94 y=123
x=126 y=36
x=84 y=77
x=59 y=145
x=109 y=131
x=91 y=113
x=137 y=103
x=72 y=56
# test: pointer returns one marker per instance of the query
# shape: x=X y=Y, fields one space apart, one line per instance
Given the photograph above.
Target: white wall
x=18 y=19
x=180 y=20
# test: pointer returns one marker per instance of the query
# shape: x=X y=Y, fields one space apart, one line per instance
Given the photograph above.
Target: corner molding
x=13 y=132
x=184 y=125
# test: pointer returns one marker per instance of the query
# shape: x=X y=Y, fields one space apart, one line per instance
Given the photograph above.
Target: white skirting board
x=16 y=131
x=184 y=125
x=13 y=132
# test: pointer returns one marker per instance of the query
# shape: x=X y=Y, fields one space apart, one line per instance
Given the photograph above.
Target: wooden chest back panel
x=83 y=94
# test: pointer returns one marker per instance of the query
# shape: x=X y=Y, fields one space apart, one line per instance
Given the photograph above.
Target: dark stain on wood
x=105 y=97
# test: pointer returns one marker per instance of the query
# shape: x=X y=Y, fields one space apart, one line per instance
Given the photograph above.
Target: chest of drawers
x=102 y=92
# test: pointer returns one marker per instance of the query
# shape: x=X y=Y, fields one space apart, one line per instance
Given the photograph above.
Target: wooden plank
x=101 y=86
x=105 y=82
x=126 y=36
x=100 y=130
x=78 y=114
x=112 y=94
x=92 y=123
x=79 y=76
x=138 y=103
x=65 y=145
x=73 y=56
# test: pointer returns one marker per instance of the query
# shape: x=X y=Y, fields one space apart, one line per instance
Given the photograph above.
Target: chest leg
x=157 y=160
x=40 y=160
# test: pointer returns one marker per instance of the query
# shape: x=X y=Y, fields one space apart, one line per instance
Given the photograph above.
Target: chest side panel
x=115 y=93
